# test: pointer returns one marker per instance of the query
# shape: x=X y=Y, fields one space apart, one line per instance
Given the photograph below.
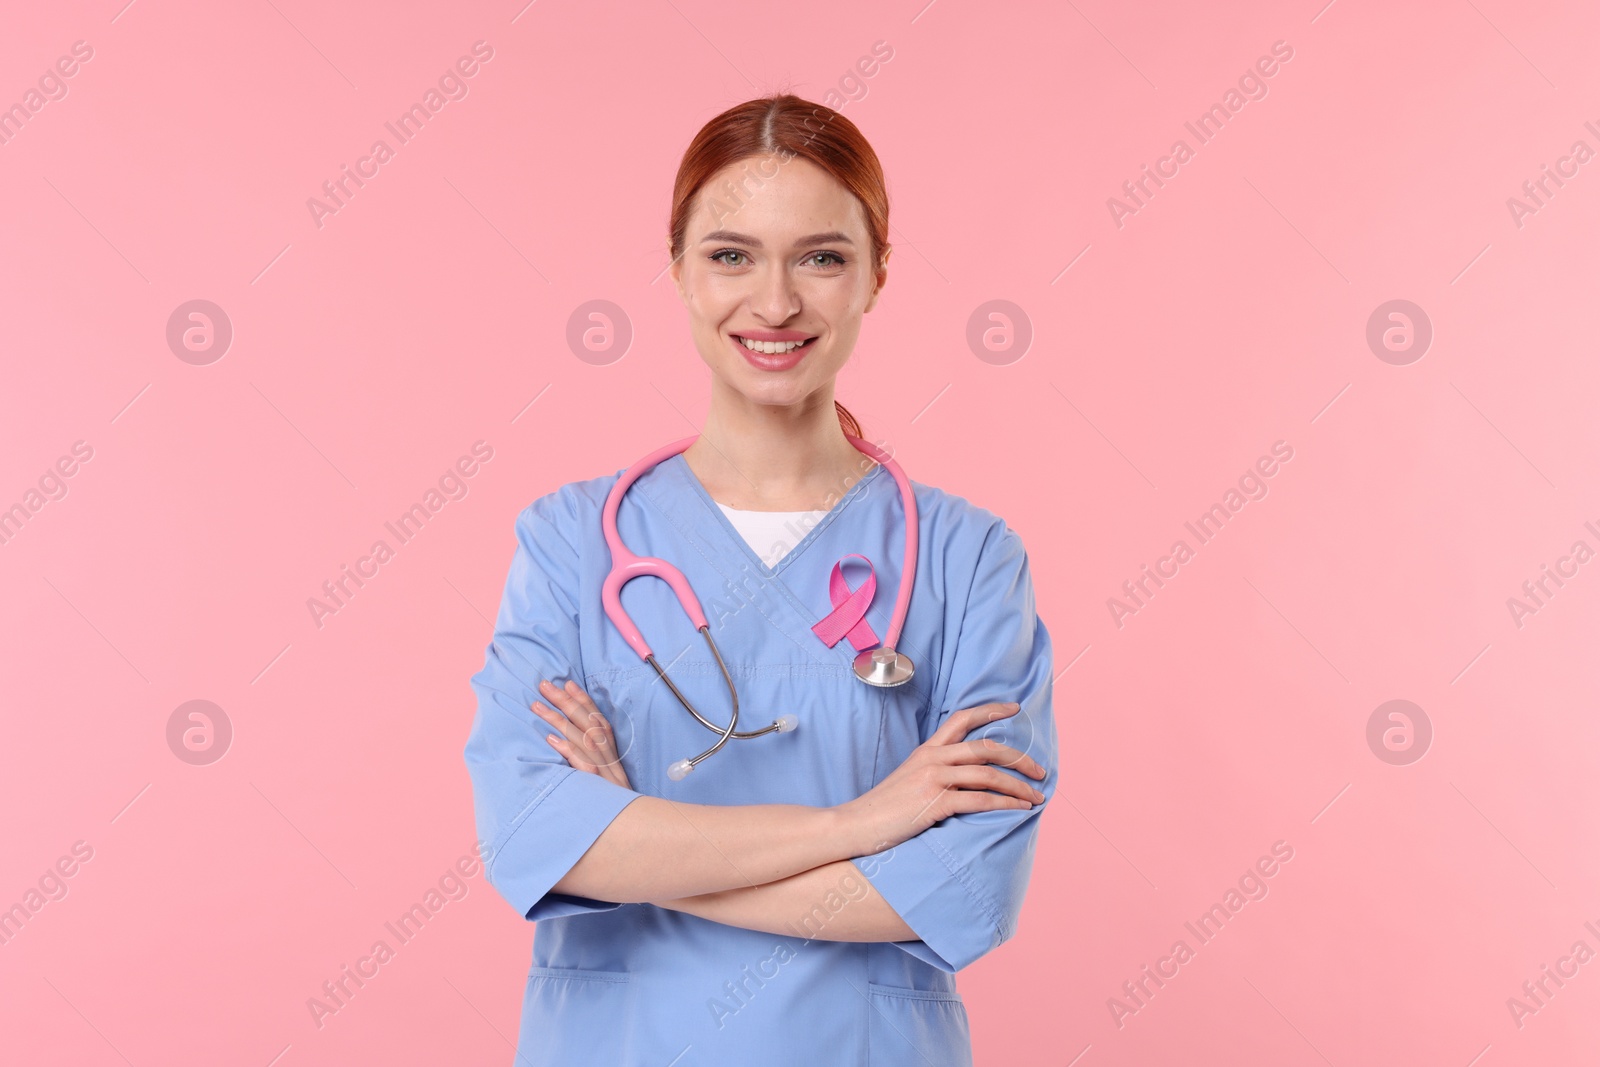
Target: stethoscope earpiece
x=678 y=770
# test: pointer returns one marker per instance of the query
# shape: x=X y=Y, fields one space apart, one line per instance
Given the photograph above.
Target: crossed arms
x=954 y=884
x=759 y=866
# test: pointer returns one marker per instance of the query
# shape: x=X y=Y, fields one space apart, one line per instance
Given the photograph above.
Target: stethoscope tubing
x=626 y=566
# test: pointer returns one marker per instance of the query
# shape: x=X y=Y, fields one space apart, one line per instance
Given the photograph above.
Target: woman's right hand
x=586 y=740
x=945 y=775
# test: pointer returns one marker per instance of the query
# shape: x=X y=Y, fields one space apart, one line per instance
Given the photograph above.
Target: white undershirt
x=772 y=533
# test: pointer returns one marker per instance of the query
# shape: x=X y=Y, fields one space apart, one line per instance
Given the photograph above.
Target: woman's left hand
x=582 y=735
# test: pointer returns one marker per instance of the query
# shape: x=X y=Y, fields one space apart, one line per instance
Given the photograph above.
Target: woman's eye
x=829 y=259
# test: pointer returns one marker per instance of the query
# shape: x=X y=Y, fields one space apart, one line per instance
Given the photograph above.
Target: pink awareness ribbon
x=849 y=614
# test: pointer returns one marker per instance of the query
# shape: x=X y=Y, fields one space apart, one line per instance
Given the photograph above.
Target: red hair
x=786 y=126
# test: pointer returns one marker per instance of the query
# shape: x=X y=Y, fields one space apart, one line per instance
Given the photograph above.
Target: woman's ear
x=881 y=279
x=674 y=269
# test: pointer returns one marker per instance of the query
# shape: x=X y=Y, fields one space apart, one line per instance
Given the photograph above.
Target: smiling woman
x=654 y=889
x=747 y=173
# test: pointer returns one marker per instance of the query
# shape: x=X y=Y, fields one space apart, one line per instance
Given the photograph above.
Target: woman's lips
x=780 y=361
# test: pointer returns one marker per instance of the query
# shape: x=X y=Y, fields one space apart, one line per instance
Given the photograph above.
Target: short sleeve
x=960 y=883
x=537 y=813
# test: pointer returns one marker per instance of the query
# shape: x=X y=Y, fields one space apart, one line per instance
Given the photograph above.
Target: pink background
x=1228 y=313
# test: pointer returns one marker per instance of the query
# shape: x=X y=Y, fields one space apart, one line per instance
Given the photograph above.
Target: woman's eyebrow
x=833 y=237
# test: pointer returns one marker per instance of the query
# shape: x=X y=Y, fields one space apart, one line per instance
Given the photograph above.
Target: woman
x=805 y=896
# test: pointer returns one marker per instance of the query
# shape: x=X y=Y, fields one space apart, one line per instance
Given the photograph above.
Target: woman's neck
x=758 y=458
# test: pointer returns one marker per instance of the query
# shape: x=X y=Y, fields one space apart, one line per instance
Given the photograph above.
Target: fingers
x=579 y=711
x=966 y=801
x=966 y=788
x=575 y=694
x=579 y=724
x=963 y=722
x=994 y=780
x=563 y=746
x=557 y=719
x=953 y=799
x=988 y=750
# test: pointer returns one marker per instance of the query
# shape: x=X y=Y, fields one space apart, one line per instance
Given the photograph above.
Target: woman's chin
x=770 y=393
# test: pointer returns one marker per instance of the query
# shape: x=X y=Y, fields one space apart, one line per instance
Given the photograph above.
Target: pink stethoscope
x=881 y=666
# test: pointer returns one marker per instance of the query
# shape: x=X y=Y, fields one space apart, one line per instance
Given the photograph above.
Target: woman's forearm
x=658 y=849
x=833 y=902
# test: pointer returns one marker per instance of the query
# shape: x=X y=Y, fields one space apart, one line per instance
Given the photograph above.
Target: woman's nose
x=775 y=298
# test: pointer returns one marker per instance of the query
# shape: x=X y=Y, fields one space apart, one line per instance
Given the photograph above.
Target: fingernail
x=552 y=738
x=1037 y=795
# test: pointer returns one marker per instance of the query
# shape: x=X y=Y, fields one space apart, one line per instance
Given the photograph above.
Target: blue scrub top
x=637 y=984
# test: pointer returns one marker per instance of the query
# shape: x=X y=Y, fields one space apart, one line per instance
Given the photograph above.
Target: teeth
x=770 y=348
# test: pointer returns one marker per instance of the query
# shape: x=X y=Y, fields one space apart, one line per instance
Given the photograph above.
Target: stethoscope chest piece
x=883 y=667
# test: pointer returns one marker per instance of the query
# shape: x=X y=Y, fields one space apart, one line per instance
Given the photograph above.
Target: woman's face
x=786 y=258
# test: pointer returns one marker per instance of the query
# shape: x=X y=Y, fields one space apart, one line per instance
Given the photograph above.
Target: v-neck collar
x=679 y=469
x=677 y=495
